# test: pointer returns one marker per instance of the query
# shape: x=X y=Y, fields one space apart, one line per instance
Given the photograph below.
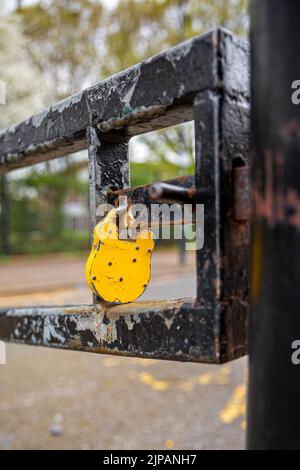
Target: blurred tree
x=52 y=188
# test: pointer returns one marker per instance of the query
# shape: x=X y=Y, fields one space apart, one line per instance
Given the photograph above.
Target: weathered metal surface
x=221 y=138
x=207 y=79
x=156 y=93
x=235 y=235
x=155 y=214
x=274 y=380
x=173 y=330
x=242 y=198
x=207 y=138
x=118 y=269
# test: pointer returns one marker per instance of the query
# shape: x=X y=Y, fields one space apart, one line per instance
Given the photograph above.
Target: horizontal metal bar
x=156 y=93
x=174 y=329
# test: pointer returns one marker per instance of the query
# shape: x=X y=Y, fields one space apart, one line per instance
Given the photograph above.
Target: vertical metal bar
x=206 y=110
x=108 y=169
x=274 y=381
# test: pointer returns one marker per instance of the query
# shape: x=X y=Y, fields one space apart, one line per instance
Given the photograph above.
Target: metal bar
x=140 y=194
x=274 y=381
x=5 y=230
x=174 y=329
x=154 y=94
x=234 y=151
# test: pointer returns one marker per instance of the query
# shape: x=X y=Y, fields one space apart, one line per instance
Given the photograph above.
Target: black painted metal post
x=108 y=169
x=274 y=381
x=6 y=246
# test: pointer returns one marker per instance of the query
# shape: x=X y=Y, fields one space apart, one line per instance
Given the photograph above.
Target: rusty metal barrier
x=205 y=79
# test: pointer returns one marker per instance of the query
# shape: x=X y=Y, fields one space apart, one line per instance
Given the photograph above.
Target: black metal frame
x=205 y=79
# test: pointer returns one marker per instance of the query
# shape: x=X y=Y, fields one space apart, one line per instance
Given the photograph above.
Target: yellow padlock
x=118 y=270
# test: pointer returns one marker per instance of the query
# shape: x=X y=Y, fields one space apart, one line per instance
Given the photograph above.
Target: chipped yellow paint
x=235 y=407
x=118 y=270
x=158 y=385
